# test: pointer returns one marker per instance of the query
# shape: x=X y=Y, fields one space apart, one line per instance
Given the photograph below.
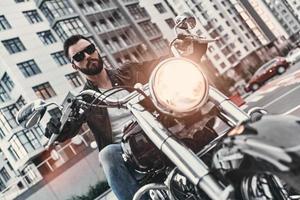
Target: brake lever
x=66 y=112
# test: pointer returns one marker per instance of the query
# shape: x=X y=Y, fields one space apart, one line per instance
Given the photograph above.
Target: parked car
x=274 y=67
x=293 y=56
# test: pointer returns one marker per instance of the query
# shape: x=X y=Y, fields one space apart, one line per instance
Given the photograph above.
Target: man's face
x=85 y=58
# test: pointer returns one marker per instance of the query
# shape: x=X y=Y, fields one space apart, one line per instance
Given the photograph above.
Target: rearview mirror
x=185 y=21
x=31 y=113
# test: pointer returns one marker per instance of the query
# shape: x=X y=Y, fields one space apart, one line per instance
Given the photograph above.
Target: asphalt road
x=281 y=95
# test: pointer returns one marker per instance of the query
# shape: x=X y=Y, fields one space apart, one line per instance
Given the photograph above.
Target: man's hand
x=192 y=46
x=52 y=127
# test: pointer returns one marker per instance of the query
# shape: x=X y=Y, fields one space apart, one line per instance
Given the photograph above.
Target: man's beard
x=93 y=66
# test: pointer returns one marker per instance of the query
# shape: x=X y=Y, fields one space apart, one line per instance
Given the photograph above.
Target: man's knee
x=108 y=154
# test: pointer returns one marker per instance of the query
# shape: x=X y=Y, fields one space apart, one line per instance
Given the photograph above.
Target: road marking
x=277 y=99
x=291 y=110
x=254 y=98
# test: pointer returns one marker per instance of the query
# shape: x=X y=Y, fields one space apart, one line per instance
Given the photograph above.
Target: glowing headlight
x=178 y=87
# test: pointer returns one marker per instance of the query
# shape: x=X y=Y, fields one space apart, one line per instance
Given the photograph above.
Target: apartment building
x=121 y=29
x=32 y=66
x=287 y=14
x=161 y=14
x=295 y=6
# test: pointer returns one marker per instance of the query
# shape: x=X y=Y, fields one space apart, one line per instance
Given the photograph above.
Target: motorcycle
x=257 y=158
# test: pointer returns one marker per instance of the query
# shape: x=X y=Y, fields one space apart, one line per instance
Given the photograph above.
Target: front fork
x=186 y=161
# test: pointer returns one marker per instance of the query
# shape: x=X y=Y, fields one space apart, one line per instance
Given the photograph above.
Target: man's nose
x=86 y=55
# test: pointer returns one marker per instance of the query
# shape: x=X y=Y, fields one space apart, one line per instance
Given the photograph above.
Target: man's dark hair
x=71 y=41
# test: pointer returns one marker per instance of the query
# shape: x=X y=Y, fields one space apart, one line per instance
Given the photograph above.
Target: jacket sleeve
x=70 y=129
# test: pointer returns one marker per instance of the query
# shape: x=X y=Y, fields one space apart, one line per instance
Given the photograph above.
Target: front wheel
x=255 y=86
x=265 y=186
x=281 y=70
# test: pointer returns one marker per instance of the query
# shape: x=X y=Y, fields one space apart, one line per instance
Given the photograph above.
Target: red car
x=274 y=67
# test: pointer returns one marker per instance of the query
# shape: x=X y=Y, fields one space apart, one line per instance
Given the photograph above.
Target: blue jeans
x=121 y=179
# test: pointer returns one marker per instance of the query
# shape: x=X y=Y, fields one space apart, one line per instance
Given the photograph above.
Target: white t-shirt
x=118 y=117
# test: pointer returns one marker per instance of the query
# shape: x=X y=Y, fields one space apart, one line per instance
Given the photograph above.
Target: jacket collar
x=112 y=76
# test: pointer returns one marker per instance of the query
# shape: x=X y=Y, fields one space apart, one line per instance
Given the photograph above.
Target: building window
x=116 y=42
x=74 y=79
x=46 y=37
x=13 y=153
x=32 y=16
x=216 y=57
x=220 y=28
x=55 y=112
x=2 y=134
x=223 y=65
x=30 y=174
x=149 y=28
x=20 y=1
x=227 y=23
x=56 y=9
x=106 y=62
x=29 y=68
x=108 y=45
x=232 y=59
x=226 y=51
x=170 y=22
x=13 y=45
x=4 y=96
x=2 y=185
x=137 y=12
x=25 y=141
x=4 y=23
x=160 y=45
x=60 y=58
x=4 y=174
x=44 y=91
x=69 y=27
x=8 y=114
x=160 y=8
x=7 y=82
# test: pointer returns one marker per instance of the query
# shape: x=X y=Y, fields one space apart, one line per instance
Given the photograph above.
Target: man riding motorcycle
x=107 y=124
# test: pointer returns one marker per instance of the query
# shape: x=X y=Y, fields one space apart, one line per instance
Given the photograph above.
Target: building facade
x=287 y=14
x=32 y=66
x=121 y=29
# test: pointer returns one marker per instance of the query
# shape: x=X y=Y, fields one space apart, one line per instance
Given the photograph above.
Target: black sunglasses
x=79 y=56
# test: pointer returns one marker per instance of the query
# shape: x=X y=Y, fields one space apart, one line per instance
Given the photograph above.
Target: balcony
x=96 y=8
x=128 y=2
x=104 y=30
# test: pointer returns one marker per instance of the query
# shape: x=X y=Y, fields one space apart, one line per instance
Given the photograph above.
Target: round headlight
x=178 y=87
